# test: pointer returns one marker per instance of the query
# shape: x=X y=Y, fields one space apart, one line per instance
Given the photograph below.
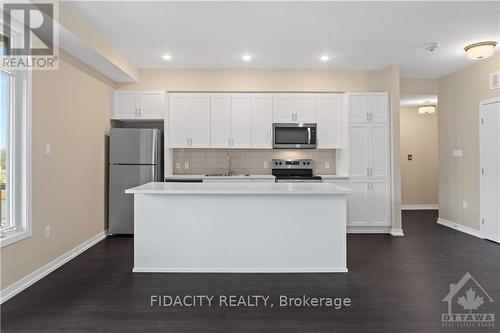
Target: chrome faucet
x=229 y=172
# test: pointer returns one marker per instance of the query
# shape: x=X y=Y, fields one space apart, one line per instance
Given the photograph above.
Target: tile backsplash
x=213 y=161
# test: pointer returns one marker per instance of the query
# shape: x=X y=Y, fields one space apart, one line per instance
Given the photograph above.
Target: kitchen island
x=239 y=227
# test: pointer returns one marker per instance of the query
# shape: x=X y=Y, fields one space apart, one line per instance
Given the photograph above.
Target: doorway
x=489 y=138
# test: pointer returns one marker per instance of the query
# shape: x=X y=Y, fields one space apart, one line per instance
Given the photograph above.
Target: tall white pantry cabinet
x=369 y=161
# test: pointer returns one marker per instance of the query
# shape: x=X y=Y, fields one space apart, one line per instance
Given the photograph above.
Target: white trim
x=239 y=270
x=368 y=230
x=459 y=227
x=482 y=104
x=11 y=237
x=420 y=207
x=397 y=232
x=43 y=271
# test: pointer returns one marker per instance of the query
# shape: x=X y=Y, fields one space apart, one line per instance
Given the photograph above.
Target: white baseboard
x=45 y=270
x=398 y=232
x=459 y=227
x=368 y=230
x=239 y=270
x=420 y=207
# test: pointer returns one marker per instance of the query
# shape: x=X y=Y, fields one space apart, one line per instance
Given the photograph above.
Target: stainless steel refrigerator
x=135 y=158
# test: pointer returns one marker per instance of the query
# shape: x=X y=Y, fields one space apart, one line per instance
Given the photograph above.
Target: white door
x=220 y=121
x=379 y=194
x=283 y=108
x=151 y=105
x=379 y=108
x=358 y=108
x=358 y=153
x=379 y=158
x=125 y=105
x=262 y=119
x=305 y=108
x=179 y=121
x=358 y=203
x=199 y=121
x=329 y=120
x=490 y=170
x=241 y=121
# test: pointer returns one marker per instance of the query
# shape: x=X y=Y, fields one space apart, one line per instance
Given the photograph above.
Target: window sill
x=14 y=236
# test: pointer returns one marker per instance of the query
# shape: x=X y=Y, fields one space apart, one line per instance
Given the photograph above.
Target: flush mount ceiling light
x=324 y=58
x=427 y=108
x=246 y=57
x=480 y=50
x=167 y=57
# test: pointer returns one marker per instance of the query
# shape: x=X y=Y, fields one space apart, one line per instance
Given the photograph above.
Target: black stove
x=294 y=171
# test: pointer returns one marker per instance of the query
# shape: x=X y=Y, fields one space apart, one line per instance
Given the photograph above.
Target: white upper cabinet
x=329 y=121
x=124 y=105
x=151 y=105
x=220 y=121
x=199 y=121
x=283 y=108
x=379 y=108
x=305 y=108
x=189 y=121
x=241 y=121
x=358 y=108
x=179 y=121
x=368 y=108
x=262 y=119
x=147 y=105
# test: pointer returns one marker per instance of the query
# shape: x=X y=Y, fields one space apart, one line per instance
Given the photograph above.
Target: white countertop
x=238 y=188
x=333 y=177
x=219 y=177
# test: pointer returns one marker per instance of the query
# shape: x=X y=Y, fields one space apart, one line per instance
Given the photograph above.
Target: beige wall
x=459 y=97
x=419 y=86
x=70 y=111
x=257 y=80
x=419 y=177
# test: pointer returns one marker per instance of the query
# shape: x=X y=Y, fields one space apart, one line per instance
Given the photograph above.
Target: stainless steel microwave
x=294 y=135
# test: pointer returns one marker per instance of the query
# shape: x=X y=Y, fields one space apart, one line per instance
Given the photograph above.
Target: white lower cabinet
x=369 y=205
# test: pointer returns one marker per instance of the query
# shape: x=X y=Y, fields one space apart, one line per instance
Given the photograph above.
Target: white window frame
x=19 y=171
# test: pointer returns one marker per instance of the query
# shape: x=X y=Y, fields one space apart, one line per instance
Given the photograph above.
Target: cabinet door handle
x=187 y=141
x=228 y=141
x=367 y=116
x=371 y=116
x=139 y=112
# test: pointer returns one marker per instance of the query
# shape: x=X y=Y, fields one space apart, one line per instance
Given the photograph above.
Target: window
x=6 y=80
x=15 y=153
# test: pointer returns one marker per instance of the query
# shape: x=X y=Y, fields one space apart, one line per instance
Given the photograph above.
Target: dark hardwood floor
x=396 y=284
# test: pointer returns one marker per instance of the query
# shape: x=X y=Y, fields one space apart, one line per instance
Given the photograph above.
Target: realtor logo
x=28 y=36
x=468 y=305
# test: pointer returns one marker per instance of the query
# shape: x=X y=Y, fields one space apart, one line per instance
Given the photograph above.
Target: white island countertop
x=238 y=188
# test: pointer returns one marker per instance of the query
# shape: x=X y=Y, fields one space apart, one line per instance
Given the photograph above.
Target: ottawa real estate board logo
x=29 y=36
x=469 y=305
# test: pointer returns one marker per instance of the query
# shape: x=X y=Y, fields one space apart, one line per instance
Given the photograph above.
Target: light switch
x=48 y=149
x=327 y=165
x=186 y=165
x=266 y=165
x=178 y=165
x=410 y=157
x=464 y=204
x=458 y=153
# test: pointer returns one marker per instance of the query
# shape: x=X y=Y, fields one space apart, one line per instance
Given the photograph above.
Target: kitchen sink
x=227 y=175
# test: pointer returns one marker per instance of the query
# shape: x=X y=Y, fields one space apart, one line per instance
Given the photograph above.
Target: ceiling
x=293 y=35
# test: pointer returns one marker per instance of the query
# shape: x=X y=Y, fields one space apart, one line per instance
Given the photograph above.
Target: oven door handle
x=309 y=136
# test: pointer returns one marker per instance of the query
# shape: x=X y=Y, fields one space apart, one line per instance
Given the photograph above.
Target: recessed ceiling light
x=480 y=50
x=246 y=57
x=166 y=57
x=324 y=58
